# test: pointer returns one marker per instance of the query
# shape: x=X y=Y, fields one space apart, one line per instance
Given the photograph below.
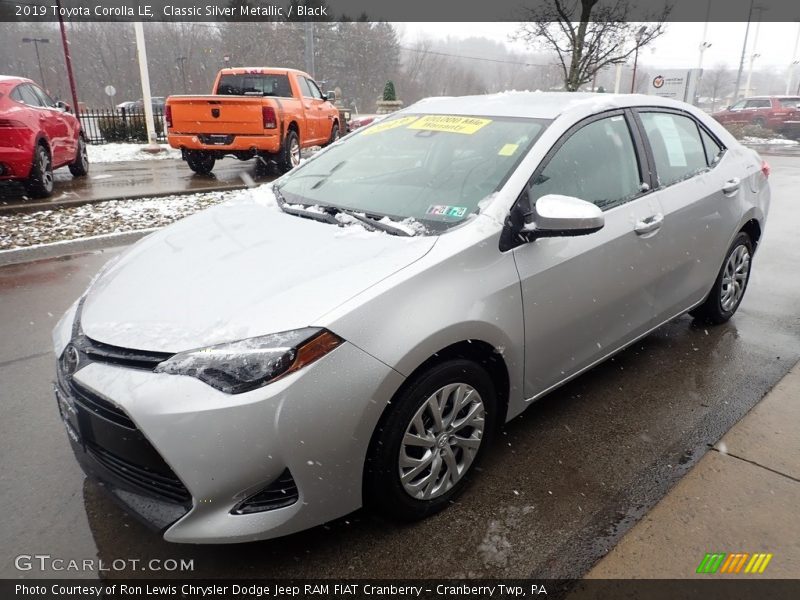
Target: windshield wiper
x=327 y=214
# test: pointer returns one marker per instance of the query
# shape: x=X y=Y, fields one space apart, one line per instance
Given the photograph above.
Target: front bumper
x=223 y=449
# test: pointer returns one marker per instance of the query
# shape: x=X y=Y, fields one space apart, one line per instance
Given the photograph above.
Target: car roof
x=537 y=105
x=261 y=70
x=6 y=80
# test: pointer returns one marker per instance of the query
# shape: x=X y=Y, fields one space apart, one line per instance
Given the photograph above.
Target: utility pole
x=309 y=48
x=36 y=42
x=704 y=45
x=744 y=51
x=141 y=52
x=68 y=60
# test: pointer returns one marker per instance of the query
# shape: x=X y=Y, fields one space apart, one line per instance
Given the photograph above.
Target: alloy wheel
x=734 y=278
x=441 y=441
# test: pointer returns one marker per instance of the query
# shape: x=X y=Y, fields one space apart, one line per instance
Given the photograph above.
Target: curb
x=41 y=206
x=68 y=247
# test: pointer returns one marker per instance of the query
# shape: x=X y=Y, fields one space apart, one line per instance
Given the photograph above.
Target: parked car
x=779 y=113
x=358 y=334
x=137 y=106
x=271 y=113
x=37 y=135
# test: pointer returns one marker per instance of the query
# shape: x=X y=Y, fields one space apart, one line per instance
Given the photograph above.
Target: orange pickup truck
x=266 y=113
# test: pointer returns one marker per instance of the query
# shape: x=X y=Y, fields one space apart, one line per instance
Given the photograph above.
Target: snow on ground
x=113 y=216
x=769 y=141
x=118 y=152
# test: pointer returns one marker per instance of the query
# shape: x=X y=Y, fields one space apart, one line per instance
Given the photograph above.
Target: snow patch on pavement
x=769 y=141
x=119 y=152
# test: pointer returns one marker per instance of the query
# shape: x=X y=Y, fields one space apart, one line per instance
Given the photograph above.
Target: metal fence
x=102 y=126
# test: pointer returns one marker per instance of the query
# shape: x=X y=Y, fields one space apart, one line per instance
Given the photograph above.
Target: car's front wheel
x=80 y=166
x=438 y=428
x=730 y=285
x=40 y=181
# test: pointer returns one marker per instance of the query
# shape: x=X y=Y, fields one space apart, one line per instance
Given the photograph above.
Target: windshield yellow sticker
x=508 y=150
x=450 y=124
x=387 y=125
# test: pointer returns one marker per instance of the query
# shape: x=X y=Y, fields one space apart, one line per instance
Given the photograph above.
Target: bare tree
x=716 y=83
x=588 y=35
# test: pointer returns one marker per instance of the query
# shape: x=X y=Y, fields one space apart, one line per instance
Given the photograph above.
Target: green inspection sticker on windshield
x=443 y=210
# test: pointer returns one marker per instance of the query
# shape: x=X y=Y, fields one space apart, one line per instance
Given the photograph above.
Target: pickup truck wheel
x=200 y=162
x=290 y=153
x=334 y=135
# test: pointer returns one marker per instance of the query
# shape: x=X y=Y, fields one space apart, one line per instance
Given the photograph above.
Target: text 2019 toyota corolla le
x=357 y=333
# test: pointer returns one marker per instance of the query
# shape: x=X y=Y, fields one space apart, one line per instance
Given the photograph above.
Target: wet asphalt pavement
x=132 y=179
x=563 y=483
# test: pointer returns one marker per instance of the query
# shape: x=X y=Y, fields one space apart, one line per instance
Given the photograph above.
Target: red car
x=779 y=113
x=37 y=135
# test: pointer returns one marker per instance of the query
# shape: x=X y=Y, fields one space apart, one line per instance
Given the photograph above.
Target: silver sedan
x=357 y=332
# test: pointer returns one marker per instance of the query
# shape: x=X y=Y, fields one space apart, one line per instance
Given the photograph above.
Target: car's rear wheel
x=730 y=285
x=80 y=166
x=200 y=162
x=423 y=454
x=289 y=156
x=40 y=181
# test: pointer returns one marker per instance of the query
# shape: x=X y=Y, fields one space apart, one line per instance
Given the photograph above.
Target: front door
x=584 y=297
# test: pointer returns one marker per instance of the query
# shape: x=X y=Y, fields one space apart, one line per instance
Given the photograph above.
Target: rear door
x=697 y=188
x=586 y=296
x=758 y=111
x=49 y=122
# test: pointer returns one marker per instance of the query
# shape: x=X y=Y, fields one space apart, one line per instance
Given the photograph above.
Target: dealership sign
x=678 y=84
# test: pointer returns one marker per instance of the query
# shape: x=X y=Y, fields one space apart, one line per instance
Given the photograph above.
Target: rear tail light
x=269 y=117
x=168 y=115
x=11 y=123
x=765 y=168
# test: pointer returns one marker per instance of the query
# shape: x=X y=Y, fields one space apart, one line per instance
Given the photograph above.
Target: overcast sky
x=677 y=48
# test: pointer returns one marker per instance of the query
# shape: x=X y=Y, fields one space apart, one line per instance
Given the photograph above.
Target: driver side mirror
x=330 y=96
x=554 y=215
x=63 y=106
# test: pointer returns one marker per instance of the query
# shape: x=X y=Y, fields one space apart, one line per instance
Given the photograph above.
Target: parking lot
x=564 y=482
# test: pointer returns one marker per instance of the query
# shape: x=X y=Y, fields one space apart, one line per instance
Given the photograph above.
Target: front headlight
x=238 y=367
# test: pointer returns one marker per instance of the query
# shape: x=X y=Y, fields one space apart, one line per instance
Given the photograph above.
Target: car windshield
x=434 y=169
x=256 y=84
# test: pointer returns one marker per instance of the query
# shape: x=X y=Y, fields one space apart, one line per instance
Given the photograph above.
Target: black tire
x=40 y=181
x=289 y=154
x=712 y=311
x=263 y=165
x=200 y=162
x=383 y=489
x=335 y=135
x=80 y=166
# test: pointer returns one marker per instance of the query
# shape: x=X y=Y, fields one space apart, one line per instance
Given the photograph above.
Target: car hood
x=235 y=271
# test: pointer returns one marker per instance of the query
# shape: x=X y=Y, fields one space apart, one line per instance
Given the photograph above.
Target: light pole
x=704 y=45
x=790 y=73
x=36 y=42
x=181 y=60
x=639 y=35
x=754 y=55
x=744 y=51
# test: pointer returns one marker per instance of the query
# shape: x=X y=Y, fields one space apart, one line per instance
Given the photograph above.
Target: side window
x=677 y=149
x=305 y=91
x=712 y=147
x=314 y=89
x=44 y=99
x=28 y=96
x=16 y=94
x=758 y=104
x=738 y=106
x=597 y=164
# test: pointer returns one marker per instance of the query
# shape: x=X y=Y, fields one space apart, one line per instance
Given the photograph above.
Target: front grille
x=169 y=488
x=280 y=493
x=106 y=353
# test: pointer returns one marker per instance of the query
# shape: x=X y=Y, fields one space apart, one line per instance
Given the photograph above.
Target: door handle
x=649 y=225
x=731 y=186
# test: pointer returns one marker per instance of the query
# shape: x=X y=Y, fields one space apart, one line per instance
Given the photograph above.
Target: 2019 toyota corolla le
x=356 y=333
